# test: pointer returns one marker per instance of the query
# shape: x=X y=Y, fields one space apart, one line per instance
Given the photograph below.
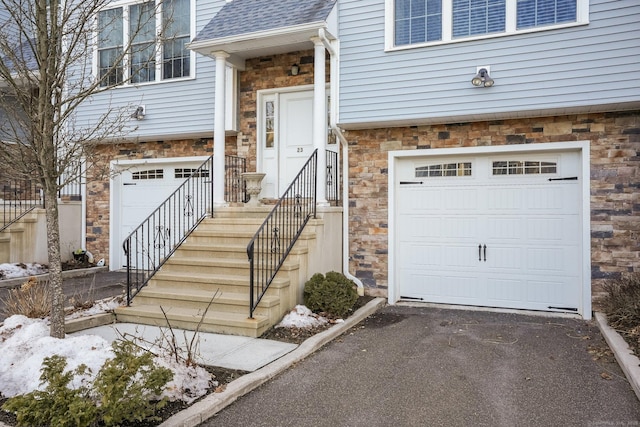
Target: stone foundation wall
x=615 y=183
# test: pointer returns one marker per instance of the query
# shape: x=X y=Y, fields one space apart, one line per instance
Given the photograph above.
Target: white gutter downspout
x=333 y=90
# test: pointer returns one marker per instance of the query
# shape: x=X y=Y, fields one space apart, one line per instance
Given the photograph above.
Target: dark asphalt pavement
x=419 y=366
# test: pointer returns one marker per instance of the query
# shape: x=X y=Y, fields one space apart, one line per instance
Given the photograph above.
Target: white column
x=219 y=131
x=320 y=119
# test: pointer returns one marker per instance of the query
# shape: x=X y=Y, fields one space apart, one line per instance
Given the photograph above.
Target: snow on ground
x=101 y=306
x=13 y=270
x=24 y=343
x=301 y=317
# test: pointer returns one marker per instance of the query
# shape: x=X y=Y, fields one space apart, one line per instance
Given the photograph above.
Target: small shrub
x=621 y=304
x=126 y=389
x=31 y=299
x=128 y=385
x=57 y=405
x=334 y=294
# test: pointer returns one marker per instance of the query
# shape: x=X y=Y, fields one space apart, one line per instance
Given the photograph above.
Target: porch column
x=320 y=119
x=219 y=131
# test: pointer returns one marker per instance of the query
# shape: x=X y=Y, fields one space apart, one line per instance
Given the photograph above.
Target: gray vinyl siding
x=582 y=66
x=174 y=108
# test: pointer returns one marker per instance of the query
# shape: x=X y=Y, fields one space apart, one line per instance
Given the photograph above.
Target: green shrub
x=127 y=388
x=128 y=384
x=333 y=294
x=57 y=405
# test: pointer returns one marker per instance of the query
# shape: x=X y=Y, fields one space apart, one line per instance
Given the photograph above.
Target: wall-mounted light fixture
x=139 y=113
x=482 y=78
x=295 y=69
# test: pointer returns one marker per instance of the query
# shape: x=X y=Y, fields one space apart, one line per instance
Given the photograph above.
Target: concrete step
x=232 y=302
x=239 y=236
x=183 y=264
x=244 y=212
x=189 y=318
x=211 y=282
x=227 y=250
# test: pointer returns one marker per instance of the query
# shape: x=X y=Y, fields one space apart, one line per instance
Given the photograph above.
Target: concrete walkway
x=226 y=351
x=417 y=366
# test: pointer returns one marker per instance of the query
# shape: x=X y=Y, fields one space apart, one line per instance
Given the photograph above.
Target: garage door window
x=444 y=169
x=187 y=172
x=524 y=167
x=148 y=174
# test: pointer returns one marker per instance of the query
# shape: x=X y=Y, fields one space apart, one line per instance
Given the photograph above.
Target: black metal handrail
x=235 y=188
x=333 y=178
x=18 y=198
x=156 y=239
x=275 y=238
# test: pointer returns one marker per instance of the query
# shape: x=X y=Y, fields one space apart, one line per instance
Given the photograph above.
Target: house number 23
x=300 y=149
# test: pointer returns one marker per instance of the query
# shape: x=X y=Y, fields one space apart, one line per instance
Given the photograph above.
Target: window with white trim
x=156 y=32
x=416 y=22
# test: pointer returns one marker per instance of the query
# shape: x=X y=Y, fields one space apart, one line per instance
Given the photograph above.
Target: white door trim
x=115 y=168
x=260 y=99
x=583 y=147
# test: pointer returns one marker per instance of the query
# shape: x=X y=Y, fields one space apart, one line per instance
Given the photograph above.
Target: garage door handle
x=485 y=252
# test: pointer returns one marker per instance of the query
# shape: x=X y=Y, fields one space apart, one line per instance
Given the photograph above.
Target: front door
x=285 y=138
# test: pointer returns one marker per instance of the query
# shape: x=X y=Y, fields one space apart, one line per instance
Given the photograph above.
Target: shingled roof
x=249 y=16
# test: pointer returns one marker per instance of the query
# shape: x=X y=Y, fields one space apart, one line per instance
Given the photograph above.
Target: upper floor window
x=154 y=34
x=413 y=22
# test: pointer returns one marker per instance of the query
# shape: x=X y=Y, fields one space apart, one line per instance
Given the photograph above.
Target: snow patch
x=301 y=317
x=14 y=270
x=25 y=342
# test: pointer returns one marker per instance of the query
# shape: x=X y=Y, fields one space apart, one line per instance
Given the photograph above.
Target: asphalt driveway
x=419 y=366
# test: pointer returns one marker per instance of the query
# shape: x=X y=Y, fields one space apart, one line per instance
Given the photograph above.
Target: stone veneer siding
x=615 y=183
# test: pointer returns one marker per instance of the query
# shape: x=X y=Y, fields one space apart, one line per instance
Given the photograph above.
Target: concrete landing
x=226 y=351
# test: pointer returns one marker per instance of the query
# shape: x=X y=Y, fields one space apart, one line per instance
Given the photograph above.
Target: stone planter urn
x=253 y=182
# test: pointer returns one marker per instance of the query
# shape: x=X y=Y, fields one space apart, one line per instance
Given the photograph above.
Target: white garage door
x=496 y=231
x=141 y=189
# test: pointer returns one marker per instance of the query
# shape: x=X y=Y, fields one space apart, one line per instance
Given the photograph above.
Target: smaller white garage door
x=140 y=190
x=497 y=231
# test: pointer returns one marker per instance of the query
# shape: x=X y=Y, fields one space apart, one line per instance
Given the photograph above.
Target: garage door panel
x=507 y=259
x=504 y=199
x=441 y=287
x=553 y=199
x=503 y=228
x=420 y=227
x=141 y=190
x=420 y=200
x=530 y=225
x=546 y=293
x=549 y=230
x=421 y=256
x=459 y=199
x=552 y=261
